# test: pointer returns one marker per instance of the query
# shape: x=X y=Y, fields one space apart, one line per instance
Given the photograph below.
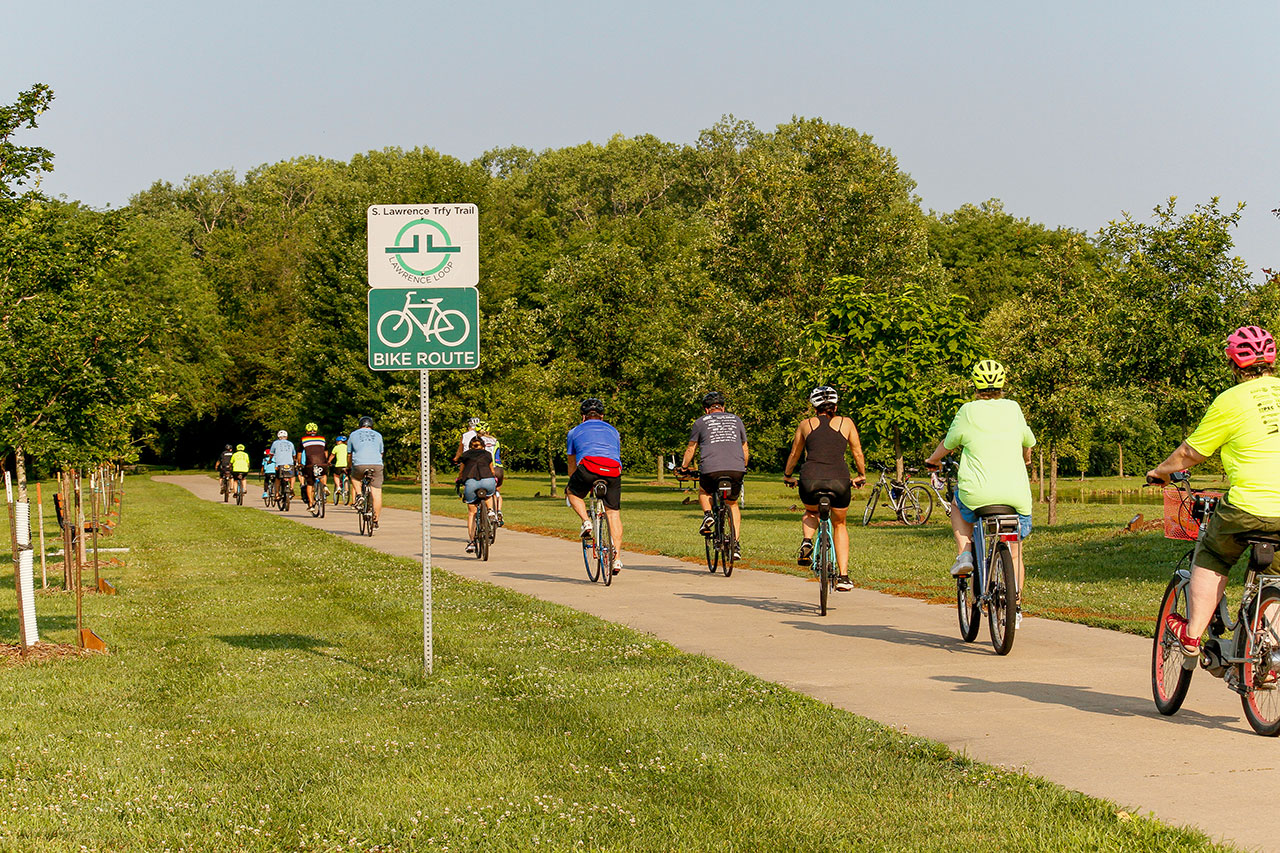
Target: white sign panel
x=414 y=245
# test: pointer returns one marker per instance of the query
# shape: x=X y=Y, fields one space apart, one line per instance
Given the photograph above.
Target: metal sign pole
x=424 y=394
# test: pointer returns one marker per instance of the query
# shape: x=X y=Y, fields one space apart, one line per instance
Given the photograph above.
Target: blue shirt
x=366 y=447
x=268 y=465
x=594 y=438
x=283 y=451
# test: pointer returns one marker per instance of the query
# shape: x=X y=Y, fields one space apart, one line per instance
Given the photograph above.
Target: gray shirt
x=720 y=436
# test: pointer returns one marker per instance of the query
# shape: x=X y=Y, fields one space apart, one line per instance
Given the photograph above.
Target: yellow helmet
x=988 y=375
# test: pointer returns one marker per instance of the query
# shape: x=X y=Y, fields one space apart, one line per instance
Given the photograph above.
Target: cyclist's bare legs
x=615 y=528
x=962 y=531
x=736 y=513
x=579 y=506
x=840 y=531
x=704 y=500
x=1203 y=594
x=377 y=503
x=471 y=521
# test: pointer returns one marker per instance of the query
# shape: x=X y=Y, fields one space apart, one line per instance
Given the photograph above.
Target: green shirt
x=1244 y=422
x=992 y=471
x=340 y=455
x=240 y=462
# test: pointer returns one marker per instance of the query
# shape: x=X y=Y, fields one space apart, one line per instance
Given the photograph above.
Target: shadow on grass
x=1082 y=699
x=44 y=624
x=896 y=636
x=311 y=645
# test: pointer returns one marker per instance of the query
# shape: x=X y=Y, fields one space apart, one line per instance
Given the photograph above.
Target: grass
x=1085 y=569
x=264 y=692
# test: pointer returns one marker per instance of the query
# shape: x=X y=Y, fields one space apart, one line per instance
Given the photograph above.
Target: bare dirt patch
x=12 y=654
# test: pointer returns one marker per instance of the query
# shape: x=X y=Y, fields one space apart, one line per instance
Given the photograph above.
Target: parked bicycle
x=1249 y=659
x=911 y=502
x=364 y=505
x=943 y=483
x=992 y=587
x=598 y=552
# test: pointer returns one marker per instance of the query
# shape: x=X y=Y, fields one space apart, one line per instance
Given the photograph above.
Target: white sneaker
x=963 y=566
x=617 y=565
x=1017 y=620
x=586 y=530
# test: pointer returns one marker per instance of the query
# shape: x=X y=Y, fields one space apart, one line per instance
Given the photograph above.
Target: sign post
x=424 y=315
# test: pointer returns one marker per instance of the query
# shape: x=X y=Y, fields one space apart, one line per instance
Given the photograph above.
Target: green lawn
x=264 y=692
x=1084 y=569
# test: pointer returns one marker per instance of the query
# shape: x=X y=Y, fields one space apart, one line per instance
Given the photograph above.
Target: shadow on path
x=896 y=636
x=769 y=605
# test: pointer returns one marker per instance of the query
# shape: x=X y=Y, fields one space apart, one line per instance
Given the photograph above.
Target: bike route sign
x=424 y=245
x=429 y=328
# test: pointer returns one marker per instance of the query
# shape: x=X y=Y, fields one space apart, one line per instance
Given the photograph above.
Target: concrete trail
x=1071 y=704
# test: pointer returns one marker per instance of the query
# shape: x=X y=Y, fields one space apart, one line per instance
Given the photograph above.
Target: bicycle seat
x=994 y=509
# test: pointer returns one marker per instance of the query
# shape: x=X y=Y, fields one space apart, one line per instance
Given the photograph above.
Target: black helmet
x=228 y=447
x=366 y=422
x=712 y=398
x=592 y=404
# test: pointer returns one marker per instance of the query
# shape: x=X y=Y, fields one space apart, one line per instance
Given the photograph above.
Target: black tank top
x=824 y=453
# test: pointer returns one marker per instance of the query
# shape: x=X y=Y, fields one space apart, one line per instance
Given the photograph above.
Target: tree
x=19 y=164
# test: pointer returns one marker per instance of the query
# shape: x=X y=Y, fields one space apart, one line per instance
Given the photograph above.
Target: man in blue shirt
x=594 y=451
x=284 y=454
x=365 y=445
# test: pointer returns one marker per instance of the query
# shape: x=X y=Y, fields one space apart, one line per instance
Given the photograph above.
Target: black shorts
x=582 y=481
x=710 y=482
x=309 y=473
x=841 y=492
x=239 y=475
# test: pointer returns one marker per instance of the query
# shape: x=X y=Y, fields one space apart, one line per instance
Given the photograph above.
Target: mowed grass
x=264 y=691
x=1084 y=569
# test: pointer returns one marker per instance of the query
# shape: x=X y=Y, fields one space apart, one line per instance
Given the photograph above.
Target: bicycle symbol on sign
x=440 y=323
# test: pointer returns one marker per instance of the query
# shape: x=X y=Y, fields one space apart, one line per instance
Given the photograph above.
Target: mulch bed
x=12 y=654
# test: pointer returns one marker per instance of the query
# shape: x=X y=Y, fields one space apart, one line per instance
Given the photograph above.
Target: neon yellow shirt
x=240 y=462
x=1244 y=423
x=340 y=455
x=993 y=433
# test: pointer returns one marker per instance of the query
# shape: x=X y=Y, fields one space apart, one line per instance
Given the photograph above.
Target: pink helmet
x=1249 y=345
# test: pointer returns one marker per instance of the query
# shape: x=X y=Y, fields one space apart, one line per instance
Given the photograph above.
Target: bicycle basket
x=1182 y=513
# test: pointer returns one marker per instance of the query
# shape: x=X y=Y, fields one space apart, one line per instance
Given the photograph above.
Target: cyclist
x=996 y=444
x=341 y=458
x=494 y=447
x=1244 y=423
x=720 y=439
x=285 y=455
x=823 y=439
x=476 y=472
x=594 y=451
x=268 y=471
x=473 y=425
x=239 y=464
x=313 y=454
x=223 y=466
x=366 y=456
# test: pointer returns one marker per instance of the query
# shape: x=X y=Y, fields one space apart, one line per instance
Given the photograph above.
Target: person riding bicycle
x=341 y=458
x=996 y=449
x=476 y=472
x=594 y=452
x=240 y=464
x=823 y=439
x=285 y=456
x=494 y=447
x=1243 y=423
x=223 y=464
x=366 y=457
x=268 y=471
x=720 y=439
x=314 y=454
x=473 y=425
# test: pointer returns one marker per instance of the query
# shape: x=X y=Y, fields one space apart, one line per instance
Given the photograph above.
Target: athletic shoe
x=806 y=553
x=1178 y=625
x=500 y=522
x=471 y=547
x=586 y=531
x=708 y=524
x=737 y=552
x=1017 y=620
x=963 y=566
x=617 y=565
x=843 y=584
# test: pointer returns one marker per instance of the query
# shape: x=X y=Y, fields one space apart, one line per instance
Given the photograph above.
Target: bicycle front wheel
x=1260 y=673
x=872 y=500
x=917 y=505
x=1002 y=612
x=604 y=548
x=1170 y=675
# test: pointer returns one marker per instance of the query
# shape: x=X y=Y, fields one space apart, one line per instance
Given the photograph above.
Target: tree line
x=640 y=271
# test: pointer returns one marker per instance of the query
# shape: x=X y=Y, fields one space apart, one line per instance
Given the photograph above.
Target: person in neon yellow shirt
x=341 y=464
x=1243 y=423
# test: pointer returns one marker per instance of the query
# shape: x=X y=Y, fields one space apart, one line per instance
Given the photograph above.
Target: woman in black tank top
x=823 y=440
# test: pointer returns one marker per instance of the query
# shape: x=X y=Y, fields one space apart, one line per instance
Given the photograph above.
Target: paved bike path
x=1070 y=703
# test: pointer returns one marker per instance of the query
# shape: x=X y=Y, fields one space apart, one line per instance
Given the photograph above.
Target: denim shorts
x=489 y=484
x=1024 y=521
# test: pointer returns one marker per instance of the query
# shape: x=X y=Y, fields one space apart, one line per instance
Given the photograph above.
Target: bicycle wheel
x=286 y=495
x=728 y=539
x=969 y=607
x=1003 y=610
x=589 y=553
x=822 y=559
x=917 y=505
x=872 y=499
x=1170 y=676
x=1260 y=673
x=711 y=545
x=239 y=493
x=361 y=518
x=268 y=494
x=314 y=507
x=322 y=495
x=604 y=548
x=226 y=493
x=481 y=539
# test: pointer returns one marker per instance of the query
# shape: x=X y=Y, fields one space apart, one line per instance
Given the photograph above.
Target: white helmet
x=282 y=434
x=473 y=422
x=822 y=395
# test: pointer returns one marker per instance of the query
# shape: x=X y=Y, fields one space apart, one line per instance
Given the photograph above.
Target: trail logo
x=417 y=245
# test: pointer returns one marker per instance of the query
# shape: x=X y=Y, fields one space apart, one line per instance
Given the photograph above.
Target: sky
x=1071 y=114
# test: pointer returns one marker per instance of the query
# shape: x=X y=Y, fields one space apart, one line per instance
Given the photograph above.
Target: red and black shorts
x=582 y=481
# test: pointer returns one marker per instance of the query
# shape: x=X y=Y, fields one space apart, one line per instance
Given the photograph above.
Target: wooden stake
x=44 y=577
x=79 y=523
x=93 y=497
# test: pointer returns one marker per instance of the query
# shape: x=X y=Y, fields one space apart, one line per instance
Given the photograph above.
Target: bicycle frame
x=1000 y=528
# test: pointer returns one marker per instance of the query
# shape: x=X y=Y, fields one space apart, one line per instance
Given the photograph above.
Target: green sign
x=424 y=329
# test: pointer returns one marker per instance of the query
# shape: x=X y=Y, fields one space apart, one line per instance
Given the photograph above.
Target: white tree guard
x=26 y=574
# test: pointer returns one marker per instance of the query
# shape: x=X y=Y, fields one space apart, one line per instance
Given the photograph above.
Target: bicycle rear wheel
x=482 y=532
x=286 y=495
x=917 y=505
x=1260 y=673
x=822 y=558
x=711 y=544
x=589 y=552
x=226 y=492
x=322 y=495
x=872 y=500
x=239 y=493
x=728 y=538
x=604 y=548
x=1003 y=610
x=1170 y=676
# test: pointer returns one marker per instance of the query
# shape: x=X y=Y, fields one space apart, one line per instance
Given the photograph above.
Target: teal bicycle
x=823 y=559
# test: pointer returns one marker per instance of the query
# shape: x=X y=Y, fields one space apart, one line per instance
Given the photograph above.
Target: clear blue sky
x=1069 y=113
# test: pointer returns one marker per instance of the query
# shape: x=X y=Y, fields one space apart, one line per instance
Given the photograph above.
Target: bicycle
x=823 y=559
x=598 y=552
x=225 y=487
x=1252 y=666
x=722 y=540
x=993 y=585
x=943 y=483
x=284 y=489
x=341 y=491
x=910 y=501
x=319 y=494
x=364 y=505
x=484 y=529
x=239 y=491
x=439 y=322
x=268 y=490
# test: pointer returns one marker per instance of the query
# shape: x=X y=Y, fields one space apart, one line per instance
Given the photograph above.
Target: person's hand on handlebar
x=1154 y=478
x=789 y=481
x=930 y=465
x=859 y=481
